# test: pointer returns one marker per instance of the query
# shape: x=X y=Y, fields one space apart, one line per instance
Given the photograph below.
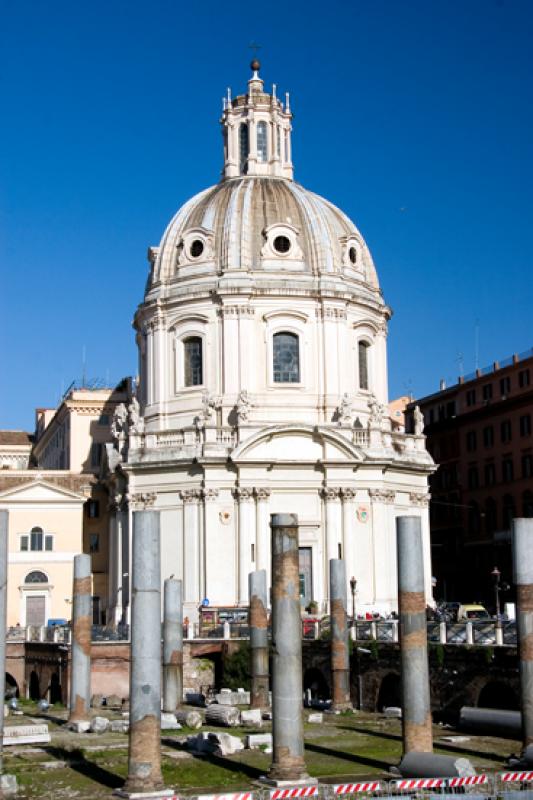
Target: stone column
x=172 y=645
x=191 y=546
x=211 y=520
x=258 y=639
x=262 y=555
x=4 y=519
x=416 y=708
x=287 y=726
x=332 y=499
x=144 y=757
x=349 y=527
x=522 y=533
x=80 y=665
x=246 y=511
x=340 y=658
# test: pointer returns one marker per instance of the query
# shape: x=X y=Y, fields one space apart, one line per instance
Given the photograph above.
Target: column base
x=280 y=783
x=337 y=708
x=8 y=784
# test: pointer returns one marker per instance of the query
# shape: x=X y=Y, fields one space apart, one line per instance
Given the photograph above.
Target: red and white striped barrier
x=235 y=796
x=298 y=791
x=351 y=788
x=507 y=777
x=419 y=783
x=471 y=780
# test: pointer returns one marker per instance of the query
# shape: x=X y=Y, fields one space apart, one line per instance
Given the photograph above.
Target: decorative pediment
x=296 y=444
x=40 y=491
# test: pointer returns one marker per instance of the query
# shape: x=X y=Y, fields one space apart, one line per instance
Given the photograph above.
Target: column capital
x=243 y=494
x=330 y=493
x=419 y=499
x=209 y=495
x=262 y=493
x=348 y=493
x=382 y=495
x=139 y=501
x=191 y=495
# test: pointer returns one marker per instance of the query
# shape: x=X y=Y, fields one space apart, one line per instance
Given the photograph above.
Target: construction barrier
x=498 y=786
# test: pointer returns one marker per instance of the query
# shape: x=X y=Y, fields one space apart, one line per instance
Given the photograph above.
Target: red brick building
x=480 y=433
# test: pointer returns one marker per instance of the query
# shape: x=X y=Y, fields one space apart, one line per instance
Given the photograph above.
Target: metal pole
x=257 y=592
x=3 y=624
x=144 y=760
x=522 y=539
x=80 y=663
x=172 y=645
x=416 y=707
x=340 y=658
x=287 y=725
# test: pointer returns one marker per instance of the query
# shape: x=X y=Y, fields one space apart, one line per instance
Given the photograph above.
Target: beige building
x=45 y=532
x=15 y=449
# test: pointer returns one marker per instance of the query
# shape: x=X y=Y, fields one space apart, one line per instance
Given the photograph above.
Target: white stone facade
x=263 y=388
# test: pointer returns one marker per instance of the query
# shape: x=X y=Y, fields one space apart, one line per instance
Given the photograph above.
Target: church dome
x=255 y=222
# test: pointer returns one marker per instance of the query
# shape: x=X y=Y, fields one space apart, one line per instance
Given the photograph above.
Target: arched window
x=36 y=539
x=261 y=141
x=36 y=577
x=193 y=361
x=286 y=358
x=362 y=354
x=243 y=147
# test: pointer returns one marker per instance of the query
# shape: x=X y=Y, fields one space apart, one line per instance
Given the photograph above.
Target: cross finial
x=255 y=64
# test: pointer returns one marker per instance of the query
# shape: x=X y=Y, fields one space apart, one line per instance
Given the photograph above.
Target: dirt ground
x=347 y=746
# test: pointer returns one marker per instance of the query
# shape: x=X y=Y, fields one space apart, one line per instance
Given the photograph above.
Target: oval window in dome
x=196 y=248
x=352 y=254
x=282 y=244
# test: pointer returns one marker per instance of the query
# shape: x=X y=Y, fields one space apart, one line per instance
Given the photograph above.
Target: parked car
x=472 y=611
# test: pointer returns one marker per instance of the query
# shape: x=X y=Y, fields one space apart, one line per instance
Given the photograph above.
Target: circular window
x=282 y=244
x=352 y=254
x=196 y=248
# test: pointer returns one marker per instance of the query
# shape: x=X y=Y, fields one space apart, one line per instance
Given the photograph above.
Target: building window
x=487 y=391
x=94 y=543
x=95 y=602
x=96 y=454
x=36 y=541
x=505 y=385
x=488 y=436
x=525 y=425
x=473 y=478
x=36 y=577
x=507 y=470
x=471 y=441
x=527 y=504
x=243 y=147
x=93 y=509
x=193 y=366
x=508 y=511
x=527 y=466
x=362 y=353
x=261 y=141
x=286 y=358
x=490 y=474
x=471 y=397
x=523 y=378
x=506 y=431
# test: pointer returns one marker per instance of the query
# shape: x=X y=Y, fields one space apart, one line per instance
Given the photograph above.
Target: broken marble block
x=317 y=718
x=225 y=744
x=256 y=740
x=169 y=722
x=99 y=724
x=252 y=717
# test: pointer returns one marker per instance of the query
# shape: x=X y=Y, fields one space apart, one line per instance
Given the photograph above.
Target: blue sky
x=414 y=117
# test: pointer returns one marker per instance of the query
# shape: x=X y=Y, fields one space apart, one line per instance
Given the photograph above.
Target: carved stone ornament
x=345 y=410
x=348 y=494
x=140 y=501
x=243 y=494
x=225 y=516
x=419 y=422
x=119 y=425
x=377 y=412
x=236 y=311
x=191 y=495
x=331 y=313
x=136 y=421
x=210 y=495
x=243 y=406
x=420 y=499
x=382 y=495
x=262 y=493
x=210 y=403
x=330 y=493
x=363 y=514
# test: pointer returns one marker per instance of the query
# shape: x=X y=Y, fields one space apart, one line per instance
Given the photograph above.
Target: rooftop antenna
x=460 y=362
x=476 y=336
x=83 y=365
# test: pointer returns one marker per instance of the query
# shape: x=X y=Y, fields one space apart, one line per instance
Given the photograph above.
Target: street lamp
x=353 y=587
x=496 y=575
